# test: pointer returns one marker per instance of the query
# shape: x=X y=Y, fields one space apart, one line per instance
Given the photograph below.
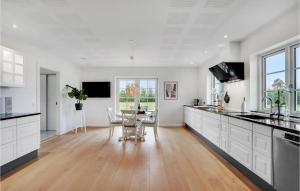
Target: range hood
x=228 y=71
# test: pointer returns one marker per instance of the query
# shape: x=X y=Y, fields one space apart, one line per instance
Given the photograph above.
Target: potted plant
x=79 y=95
x=280 y=99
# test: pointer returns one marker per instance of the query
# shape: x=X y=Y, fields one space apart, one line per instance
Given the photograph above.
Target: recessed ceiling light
x=205 y=52
x=192 y=63
x=14 y=26
x=225 y=36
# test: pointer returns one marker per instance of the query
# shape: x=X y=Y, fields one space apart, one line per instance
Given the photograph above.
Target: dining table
x=140 y=117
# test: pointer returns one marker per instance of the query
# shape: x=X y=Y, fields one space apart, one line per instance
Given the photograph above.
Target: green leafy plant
x=79 y=95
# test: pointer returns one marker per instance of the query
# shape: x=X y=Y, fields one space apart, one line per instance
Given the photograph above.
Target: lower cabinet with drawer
x=240 y=152
x=262 y=152
x=249 y=144
x=262 y=166
x=19 y=137
x=211 y=129
x=8 y=152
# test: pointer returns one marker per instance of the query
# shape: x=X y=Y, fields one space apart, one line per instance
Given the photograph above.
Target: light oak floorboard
x=177 y=161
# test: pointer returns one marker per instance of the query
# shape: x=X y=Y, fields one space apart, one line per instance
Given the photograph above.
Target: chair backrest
x=110 y=114
x=129 y=118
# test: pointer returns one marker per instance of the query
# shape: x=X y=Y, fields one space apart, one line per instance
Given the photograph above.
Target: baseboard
x=244 y=170
x=18 y=162
x=171 y=125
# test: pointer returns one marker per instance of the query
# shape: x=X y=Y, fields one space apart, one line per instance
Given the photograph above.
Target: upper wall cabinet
x=11 y=68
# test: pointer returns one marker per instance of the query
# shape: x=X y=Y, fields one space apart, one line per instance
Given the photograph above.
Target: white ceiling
x=164 y=32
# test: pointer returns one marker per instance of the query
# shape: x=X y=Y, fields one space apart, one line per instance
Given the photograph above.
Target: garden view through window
x=274 y=70
x=282 y=75
x=134 y=92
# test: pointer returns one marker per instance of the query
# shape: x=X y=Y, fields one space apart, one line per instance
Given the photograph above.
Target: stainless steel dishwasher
x=286 y=160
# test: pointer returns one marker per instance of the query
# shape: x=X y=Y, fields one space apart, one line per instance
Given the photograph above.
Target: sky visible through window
x=275 y=69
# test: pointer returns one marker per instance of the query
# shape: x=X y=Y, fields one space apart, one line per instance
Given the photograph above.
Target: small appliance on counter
x=196 y=102
x=5 y=105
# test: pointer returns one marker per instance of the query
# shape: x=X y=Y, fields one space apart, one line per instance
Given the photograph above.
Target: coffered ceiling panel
x=155 y=32
x=178 y=18
x=183 y=3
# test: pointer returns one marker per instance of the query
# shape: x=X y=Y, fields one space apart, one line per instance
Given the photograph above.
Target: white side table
x=80 y=114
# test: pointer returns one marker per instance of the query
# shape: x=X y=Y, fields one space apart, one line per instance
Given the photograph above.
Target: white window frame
x=289 y=75
x=137 y=80
x=293 y=77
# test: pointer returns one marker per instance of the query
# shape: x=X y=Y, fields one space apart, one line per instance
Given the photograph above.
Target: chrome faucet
x=271 y=102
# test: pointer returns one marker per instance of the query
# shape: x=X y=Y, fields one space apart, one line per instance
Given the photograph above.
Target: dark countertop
x=5 y=116
x=290 y=125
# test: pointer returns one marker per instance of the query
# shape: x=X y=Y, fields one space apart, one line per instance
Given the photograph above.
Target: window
x=296 y=64
x=282 y=67
x=126 y=100
x=216 y=90
x=131 y=92
x=274 y=69
x=148 y=94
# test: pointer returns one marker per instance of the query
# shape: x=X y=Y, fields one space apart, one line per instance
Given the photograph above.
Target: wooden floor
x=177 y=161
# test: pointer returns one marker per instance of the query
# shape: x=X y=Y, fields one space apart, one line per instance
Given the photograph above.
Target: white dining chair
x=151 y=122
x=130 y=124
x=113 y=121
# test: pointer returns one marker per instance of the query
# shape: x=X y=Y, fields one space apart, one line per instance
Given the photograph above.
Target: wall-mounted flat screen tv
x=96 y=89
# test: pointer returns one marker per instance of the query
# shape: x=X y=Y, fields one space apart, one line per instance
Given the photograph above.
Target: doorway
x=48 y=103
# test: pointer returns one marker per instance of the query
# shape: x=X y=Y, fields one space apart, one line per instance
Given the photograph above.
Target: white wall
x=27 y=99
x=281 y=29
x=170 y=111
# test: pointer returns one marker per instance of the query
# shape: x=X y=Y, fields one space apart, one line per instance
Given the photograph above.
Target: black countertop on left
x=5 y=116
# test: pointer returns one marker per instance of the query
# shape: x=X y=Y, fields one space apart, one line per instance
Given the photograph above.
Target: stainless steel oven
x=286 y=160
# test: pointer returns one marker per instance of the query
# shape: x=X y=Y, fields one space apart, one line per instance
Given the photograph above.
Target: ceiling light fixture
x=14 y=26
x=205 y=52
x=225 y=36
x=131 y=44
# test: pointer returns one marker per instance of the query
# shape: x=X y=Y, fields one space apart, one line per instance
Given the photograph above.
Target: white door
x=52 y=102
x=43 y=102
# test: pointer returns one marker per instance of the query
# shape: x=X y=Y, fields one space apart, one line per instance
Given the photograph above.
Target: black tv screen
x=96 y=89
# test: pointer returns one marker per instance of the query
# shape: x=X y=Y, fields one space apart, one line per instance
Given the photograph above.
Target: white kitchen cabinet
x=262 y=152
x=240 y=152
x=248 y=143
x=189 y=117
x=262 y=143
x=198 y=121
x=240 y=141
x=211 y=128
x=8 y=152
x=224 y=129
x=262 y=166
x=8 y=134
x=244 y=136
x=27 y=144
x=19 y=137
x=12 y=68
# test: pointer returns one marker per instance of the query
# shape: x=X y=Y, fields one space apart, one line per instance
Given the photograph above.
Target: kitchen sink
x=254 y=116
